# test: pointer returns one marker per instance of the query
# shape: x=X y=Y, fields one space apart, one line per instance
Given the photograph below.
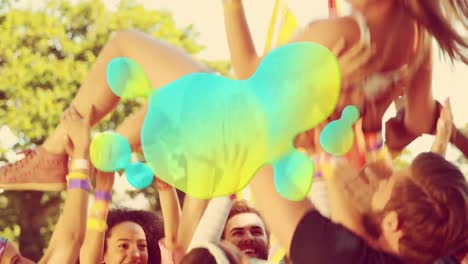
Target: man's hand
x=356 y=186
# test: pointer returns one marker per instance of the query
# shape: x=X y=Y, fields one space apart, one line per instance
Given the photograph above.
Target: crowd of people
x=373 y=213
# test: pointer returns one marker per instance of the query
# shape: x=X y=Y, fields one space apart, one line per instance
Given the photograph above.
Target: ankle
x=53 y=148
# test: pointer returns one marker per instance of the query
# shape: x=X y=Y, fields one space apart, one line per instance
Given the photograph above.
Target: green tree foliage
x=44 y=56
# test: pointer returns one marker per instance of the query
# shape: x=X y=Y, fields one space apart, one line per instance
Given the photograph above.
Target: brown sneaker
x=39 y=170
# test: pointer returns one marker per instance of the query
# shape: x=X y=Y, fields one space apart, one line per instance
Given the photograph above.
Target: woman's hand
x=444 y=129
x=161 y=185
x=78 y=131
x=352 y=61
x=104 y=180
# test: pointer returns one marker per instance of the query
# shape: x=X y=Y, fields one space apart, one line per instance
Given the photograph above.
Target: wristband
x=102 y=195
x=77 y=175
x=373 y=141
x=96 y=224
x=100 y=208
x=79 y=184
x=79 y=164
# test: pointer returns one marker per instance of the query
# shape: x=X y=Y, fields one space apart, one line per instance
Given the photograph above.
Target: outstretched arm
x=69 y=233
x=244 y=57
x=274 y=207
x=444 y=130
x=170 y=208
x=192 y=212
x=211 y=226
x=92 y=250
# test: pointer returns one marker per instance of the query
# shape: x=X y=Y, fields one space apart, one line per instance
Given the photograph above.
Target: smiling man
x=245 y=229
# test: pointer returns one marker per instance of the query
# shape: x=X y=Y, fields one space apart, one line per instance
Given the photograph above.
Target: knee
x=123 y=35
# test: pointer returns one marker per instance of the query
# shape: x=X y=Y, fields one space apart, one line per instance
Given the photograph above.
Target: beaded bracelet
x=96 y=224
x=79 y=184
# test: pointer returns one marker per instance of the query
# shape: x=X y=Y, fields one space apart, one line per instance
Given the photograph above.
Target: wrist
x=103 y=195
x=79 y=164
x=79 y=184
x=95 y=224
x=99 y=209
x=80 y=153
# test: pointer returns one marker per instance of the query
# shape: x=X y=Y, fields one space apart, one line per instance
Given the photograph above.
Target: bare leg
x=44 y=168
x=161 y=62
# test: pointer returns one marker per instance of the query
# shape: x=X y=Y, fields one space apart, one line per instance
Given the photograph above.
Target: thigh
x=161 y=61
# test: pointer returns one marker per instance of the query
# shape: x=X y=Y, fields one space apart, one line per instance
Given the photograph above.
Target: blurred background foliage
x=44 y=56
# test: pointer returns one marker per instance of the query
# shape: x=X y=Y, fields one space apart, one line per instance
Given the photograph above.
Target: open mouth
x=250 y=252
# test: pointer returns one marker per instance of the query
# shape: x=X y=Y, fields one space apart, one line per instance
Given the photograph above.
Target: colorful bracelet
x=77 y=175
x=373 y=141
x=96 y=224
x=102 y=195
x=79 y=164
x=79 y=184
x=100 y=208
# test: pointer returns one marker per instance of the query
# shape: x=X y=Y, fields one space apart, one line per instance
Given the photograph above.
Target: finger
x=74 y=114
x=448 y=109
x=66 y=121
x=362 y=58
x=372 y=177
x=338 y=47
x=68 y=145
x=90 y=115
x=355 y=49
x=64 y=114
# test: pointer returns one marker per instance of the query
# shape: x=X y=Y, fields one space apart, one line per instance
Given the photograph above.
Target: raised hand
x=104 y=180
x=161 y=185
x=352 y=61
x=78 y=132
x=444 y=129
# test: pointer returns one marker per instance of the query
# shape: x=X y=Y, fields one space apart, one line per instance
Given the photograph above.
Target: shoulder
x=316 y=237
x=328 y=31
